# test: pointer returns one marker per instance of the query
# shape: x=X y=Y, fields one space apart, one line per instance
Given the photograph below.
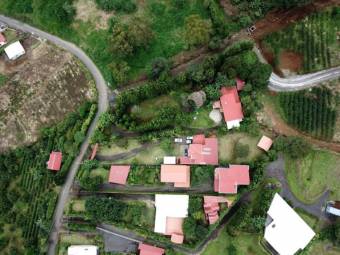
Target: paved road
x=276 y=170
x=102 y=107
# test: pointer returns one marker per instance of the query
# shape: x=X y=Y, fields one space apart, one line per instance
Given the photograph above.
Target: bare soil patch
x=87 y=11
x=42 y=88
x=228 y=7
x=290 y=61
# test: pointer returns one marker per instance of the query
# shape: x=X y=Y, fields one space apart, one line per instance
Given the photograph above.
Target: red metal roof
x=94 y=151
x=174 y=225
x=231 y=104
x=198 y=139
x=54 y=163
x=119 y=174
x=227 y=179
x=176 y=238
x=211 y=207
x=2 y=39
x=265 y=143
x=239 y=84
x=145 y=249
x=178 y=174
x=202 y=154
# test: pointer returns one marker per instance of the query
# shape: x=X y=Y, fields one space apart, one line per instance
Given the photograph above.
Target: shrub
x=197 y=30
x=127 y=6
x=158 y=67
x=241 y=150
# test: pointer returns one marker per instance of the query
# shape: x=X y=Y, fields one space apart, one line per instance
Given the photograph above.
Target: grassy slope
x=309 y=177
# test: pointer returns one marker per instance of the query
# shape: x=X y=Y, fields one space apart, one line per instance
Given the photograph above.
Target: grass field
x=310 y=176
x=201 y=120
x=244 y=243
x=315 y=38
x=113 y=148
x=228 y=142
x=153 y=155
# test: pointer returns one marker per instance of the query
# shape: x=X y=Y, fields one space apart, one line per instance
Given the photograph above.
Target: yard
x=245 y=244
x=200 y=118
x=121 y=146
x=311 y=176
x=227 y=146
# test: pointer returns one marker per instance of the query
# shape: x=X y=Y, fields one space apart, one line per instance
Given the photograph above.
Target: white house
x=169 y=160
x=82 y=250
x=169 y=206
x=286 y=232
x=14 y=50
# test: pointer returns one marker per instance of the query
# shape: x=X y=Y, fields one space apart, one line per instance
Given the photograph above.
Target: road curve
x=102 y=107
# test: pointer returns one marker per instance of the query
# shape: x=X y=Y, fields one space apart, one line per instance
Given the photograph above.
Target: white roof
x=287 y=233
x=169 y=206
x=169 y=160
x=14 y=50
x=333 y=210
x=82 y=250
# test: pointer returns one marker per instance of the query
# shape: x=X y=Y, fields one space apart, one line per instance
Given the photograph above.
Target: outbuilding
x=14 y=50
x=54 y=163
x=119 y=174
x=82 y=250
x=265 y=143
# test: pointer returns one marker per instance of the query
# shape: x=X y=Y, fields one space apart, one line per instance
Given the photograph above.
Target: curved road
x=102 y=107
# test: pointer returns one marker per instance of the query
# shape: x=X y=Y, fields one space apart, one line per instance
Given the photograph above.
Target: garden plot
x=307 y=46
x=41 y=90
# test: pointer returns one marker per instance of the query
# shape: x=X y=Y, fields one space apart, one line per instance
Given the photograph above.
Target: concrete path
x=102 y=107
x=276 y=170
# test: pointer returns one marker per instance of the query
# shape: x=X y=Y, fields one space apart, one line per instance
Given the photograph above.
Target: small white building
x=14 y=50
x=169 y=206
x=82 y=250
x=167 y=160
x=286 y=232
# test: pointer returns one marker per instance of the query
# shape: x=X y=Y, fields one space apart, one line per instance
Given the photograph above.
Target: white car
x=178 y=140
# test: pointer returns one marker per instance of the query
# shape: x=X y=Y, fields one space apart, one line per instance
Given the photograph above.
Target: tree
x=126 y=6
x=295 y=147
x=119 y=71
x=231 y=249
x=197 y=30
x=189 y=229
x=241 y=150
x=140 y=33
x=54 y=14
x=18 y=6
x=120 y=44
x=158 y=67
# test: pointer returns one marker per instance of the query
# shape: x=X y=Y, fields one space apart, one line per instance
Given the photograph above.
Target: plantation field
x=313 y=112
x=309 y=177
x=314 y=38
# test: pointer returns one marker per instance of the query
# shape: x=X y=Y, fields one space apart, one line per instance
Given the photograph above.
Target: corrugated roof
x=54 y=163
x=231 y=105
x=145 y=249
x=119 y=174
x=177 y=174
x=227 y=179
x=265 y=143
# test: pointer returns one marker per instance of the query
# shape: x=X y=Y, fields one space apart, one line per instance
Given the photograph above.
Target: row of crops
x=313 y=112
x=315 y=38
x=29 y=192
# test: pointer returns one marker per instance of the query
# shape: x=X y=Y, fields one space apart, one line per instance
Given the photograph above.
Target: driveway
x=102 y=107
x=276 y=170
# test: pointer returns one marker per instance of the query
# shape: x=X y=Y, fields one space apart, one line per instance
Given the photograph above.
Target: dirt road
x=102 y=107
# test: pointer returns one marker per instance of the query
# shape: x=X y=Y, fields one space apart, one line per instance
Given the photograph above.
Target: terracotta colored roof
x=178 y=239
x=94 y=151
x=265 y=143
x=178 y=174
x=199 y=139
x=215 y=199
x=227 y=179
x=145 y=249
x=217 y=105
x=211 y=207
x=231 y=105
x=202 y=154
x=239 y=84
x=2 y=38
x=174 y=225
x=54 y=163
x=119 y=174
x=213 y=219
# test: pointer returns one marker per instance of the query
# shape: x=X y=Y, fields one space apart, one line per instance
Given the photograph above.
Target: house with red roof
x=2 y=40
x=202 y=151
x=231 y=107
x=240 y=84
x=54 y=163
x=177 y=174
x=227 y=180
x=145 y=249
x=119 y=174
x=211 y=207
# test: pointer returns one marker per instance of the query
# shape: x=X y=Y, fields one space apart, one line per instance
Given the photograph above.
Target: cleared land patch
x=39 y=90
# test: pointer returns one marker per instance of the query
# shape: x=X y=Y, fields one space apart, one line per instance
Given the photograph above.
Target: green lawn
x=227 y=143
x=101 y=171
x=149 y=108
x=152 y=156
x=3 y=80
x=114 y=148
x=323 y=248
x=310 y=176
x=200 y=118
x=244 y=243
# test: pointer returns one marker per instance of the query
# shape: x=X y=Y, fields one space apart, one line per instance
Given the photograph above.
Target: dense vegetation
x=144 y=175
x=315 y=38
x=313 y=112
x=28 y=190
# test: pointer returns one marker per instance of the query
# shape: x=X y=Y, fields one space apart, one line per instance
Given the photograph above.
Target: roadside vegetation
x=313 y=111
x=315 y=39
x=29 y=191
